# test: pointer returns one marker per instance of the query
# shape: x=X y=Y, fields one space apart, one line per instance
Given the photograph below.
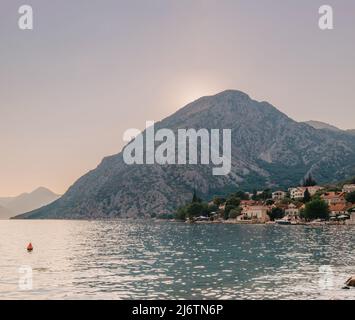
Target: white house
x=256 y=213
x=292 y=211
x=298 y=193
x=279 y=195
x=349 y=188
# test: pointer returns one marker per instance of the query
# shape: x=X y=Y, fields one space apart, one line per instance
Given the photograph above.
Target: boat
x=283 y=222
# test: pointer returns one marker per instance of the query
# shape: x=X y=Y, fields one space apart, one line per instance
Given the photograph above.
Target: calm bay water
x=164 y=260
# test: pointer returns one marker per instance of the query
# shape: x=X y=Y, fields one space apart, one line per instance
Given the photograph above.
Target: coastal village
x=306 y=204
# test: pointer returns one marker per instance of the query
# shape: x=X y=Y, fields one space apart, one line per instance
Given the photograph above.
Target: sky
x=89 y=70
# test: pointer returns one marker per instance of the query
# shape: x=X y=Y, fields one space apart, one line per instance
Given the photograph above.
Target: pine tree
x=194 y=197
x=306 y=196
x=309 y=181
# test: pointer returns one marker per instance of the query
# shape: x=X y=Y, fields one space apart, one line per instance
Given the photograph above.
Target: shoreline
x=229 y=222
x=312 y=223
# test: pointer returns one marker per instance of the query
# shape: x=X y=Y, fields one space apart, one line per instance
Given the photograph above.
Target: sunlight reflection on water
x=162 y=260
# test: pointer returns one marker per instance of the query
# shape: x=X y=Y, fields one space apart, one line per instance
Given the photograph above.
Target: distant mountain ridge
x=5 y=213
x=327 y=126
x=268 y=150
x=322 y=125
x=27 y=201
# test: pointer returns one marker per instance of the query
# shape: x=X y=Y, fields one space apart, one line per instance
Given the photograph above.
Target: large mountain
x=268 y=150
x=26 y=202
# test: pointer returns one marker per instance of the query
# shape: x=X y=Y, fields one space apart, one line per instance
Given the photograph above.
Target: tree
x=212 y=208
x=181 y=213
x=286 y=200
x=266 y=194
x=196 y=209
x=306 y=196
x=241 y=195
x=234 y=201
x=195 y=198
x=276 y=213
x=255 y=195
x=234 y=213
x=350 y=197
x=316 y=209
x=219 y=201
x=309 y=181
x=191 y=210
x=228 y=209
x=302 y=213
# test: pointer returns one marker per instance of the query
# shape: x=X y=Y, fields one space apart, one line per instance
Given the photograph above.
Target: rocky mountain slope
x=268 y=150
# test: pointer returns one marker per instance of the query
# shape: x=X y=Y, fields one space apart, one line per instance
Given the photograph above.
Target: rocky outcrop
x=350 y=282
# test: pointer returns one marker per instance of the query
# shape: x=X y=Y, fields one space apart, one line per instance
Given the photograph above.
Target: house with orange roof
x=332 y=198
x=338 y=209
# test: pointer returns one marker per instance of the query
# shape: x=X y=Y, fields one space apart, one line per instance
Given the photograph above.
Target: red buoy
x=29 y=247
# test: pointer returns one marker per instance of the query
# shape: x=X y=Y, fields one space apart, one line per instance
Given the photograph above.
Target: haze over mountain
x=5 y=213
x=268 y=150
x=27 y=201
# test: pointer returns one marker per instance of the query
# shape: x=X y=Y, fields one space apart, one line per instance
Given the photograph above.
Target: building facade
x=259 y=213
x=334 y=198
x=298 y=193
x=279 y=195
x=292 y=211
x=347 y=188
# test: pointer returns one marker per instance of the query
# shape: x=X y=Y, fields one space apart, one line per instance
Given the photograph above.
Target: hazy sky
x=91 y=69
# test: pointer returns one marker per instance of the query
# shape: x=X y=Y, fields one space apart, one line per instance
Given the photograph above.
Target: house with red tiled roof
x=332 y=198
x=338 y=209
